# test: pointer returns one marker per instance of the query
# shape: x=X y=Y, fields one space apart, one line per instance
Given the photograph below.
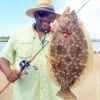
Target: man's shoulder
x=22 y=34
x=22 y=31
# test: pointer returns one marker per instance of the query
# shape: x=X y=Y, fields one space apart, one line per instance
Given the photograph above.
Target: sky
x=12 y=14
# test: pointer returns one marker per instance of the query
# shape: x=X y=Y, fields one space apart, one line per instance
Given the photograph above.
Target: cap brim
x=31 y=12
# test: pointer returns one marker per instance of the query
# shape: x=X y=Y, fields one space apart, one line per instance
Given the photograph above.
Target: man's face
x=43 y=20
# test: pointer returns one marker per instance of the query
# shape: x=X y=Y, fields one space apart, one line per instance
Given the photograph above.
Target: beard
x=43 y=26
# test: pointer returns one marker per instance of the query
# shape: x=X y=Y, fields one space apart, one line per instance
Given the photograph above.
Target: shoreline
x=3 y=40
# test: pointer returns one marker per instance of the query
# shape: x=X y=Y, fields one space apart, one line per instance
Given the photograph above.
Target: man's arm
x=11 y=75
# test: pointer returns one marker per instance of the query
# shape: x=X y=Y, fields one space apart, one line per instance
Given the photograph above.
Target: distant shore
x=4 y=39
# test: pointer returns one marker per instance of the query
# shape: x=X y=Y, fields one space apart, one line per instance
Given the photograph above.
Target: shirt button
x=35 y=67
x=34 y=38
x=41 y=88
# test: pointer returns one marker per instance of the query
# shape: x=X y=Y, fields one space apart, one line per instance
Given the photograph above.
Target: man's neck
x=40 y=33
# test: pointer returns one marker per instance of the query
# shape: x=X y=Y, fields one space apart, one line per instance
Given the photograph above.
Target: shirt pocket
x=25 y=50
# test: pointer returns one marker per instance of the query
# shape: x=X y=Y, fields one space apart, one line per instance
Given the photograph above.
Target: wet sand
x=90 y=88
x=87 y=90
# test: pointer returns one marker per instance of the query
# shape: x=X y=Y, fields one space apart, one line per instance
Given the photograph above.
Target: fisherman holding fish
x=29 y=47
x=23 y=44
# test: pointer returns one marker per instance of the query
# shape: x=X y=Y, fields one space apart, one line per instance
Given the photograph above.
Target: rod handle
x=4 y=87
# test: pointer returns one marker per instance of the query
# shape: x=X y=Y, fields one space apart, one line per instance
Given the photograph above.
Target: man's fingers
x=24 y=73
x=54 y=26
x=13 y=75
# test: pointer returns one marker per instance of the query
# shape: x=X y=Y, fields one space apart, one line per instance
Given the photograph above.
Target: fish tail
x=66 y=95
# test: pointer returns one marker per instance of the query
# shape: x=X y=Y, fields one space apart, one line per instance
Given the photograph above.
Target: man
x=36 y=85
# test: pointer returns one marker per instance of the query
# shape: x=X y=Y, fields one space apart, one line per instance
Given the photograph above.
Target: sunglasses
x=44 y=14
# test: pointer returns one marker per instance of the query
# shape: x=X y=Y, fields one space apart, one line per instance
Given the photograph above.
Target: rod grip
x=4 y=87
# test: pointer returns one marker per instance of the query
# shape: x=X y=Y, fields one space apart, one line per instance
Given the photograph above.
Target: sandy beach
x=87 y=90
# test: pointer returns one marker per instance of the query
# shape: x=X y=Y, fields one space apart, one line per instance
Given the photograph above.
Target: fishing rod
x=25 y=64
x=82 y=6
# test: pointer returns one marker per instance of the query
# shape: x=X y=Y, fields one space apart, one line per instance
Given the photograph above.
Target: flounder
x=70 y=54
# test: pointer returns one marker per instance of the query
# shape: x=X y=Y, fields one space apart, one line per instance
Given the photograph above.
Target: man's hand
x=13 y=75
x=54 y=25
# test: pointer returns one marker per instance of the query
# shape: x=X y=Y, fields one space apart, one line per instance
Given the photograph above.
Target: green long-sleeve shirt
x=36 y=85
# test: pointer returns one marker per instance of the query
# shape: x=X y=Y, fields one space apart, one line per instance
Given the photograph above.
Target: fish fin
x=66 y=95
